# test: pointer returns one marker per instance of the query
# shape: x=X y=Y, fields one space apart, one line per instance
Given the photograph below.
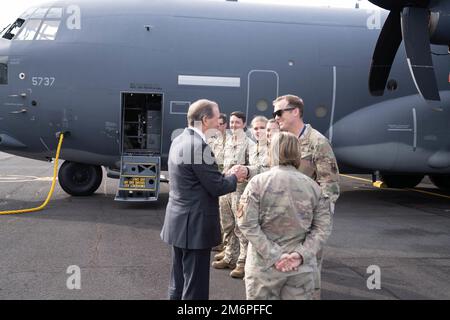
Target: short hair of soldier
x=223 y=117
x=293 y=101
x=200 y=109
x=239 y=115
x=259 y=119
x=285 y=150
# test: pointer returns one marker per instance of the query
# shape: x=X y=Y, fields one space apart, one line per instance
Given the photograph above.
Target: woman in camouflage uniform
x=236 y=152
x=272 y=127
x=286 y=219
x=258 y=151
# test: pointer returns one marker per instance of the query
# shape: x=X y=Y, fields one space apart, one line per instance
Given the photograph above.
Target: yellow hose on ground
x=55 y=174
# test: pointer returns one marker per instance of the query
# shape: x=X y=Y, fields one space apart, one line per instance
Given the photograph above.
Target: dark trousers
x=189 y=277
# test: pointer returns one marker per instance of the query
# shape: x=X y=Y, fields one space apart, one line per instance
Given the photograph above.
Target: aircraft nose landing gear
x=79 y=179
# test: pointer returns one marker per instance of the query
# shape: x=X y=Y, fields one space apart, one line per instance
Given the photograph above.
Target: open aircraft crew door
x=141 y=147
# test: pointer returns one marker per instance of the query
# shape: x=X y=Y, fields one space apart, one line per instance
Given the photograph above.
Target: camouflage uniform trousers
x=227 y=224
x=275 y=285
x=318 y=276
x=236 y=243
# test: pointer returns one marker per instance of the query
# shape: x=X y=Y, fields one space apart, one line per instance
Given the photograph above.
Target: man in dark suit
x=191 y=224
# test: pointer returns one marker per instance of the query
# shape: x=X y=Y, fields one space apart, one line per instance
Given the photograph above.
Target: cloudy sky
x=10 y=10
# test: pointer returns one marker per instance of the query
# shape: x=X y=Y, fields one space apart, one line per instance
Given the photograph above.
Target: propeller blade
x=400 y=4
x=414 y=22
x=384 y=54
x=387 y=4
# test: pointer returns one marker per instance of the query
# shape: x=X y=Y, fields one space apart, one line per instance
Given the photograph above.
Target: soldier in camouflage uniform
x=317 y=158
x=217 y=144
x=218 y=139
x=258 y=152
x=272 y=127
x=281 y=212
x=236 y=152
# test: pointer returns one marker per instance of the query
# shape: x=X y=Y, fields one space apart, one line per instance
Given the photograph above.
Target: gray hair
x=200 y=109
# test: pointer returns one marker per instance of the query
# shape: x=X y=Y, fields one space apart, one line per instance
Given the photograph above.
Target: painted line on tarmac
x=430 y=193
x=357 y=178
x=20 y=179
x=415 y=190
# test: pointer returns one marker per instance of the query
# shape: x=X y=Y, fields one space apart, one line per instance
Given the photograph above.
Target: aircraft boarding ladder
x=139 y=178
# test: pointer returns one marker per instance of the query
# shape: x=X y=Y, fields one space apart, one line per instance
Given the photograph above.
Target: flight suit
x=282 y=211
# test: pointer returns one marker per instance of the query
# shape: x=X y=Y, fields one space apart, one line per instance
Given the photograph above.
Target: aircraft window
x=13 y=29
x=39 y=13
x=28 y=13
x=321 y=111
x=55 y=13
x=48 y=30
x=29 y=30
x=3 y=70
x=262 y=105
x=4 y=29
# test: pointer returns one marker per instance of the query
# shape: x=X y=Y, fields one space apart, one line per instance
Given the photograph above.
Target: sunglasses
x=280 y=112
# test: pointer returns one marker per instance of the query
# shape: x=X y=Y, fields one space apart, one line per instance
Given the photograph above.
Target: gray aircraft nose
x=7 y=140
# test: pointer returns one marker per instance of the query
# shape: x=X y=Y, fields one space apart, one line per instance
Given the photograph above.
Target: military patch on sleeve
x=240 y=211
x=242 y=206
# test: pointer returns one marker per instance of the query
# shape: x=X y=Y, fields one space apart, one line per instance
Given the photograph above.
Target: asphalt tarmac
x=404 y=233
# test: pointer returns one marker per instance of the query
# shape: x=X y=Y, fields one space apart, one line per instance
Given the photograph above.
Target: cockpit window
x=3 y=70
x=48 y=30
x=29 y=30
x=36 y=24
x=39 y=13
x=55 y=13
x=13 y=29
x=28 y=13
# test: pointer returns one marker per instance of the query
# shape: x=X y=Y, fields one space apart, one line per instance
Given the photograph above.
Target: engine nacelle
x=402 y=135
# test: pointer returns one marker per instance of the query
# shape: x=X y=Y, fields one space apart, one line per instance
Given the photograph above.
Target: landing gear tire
x=401 y=181
x=441 y=181
x=79 y=179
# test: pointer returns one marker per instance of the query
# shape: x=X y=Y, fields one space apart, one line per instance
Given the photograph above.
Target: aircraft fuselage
x=241 y=55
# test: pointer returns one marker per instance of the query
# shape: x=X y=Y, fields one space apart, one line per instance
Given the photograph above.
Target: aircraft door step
x=139 y=178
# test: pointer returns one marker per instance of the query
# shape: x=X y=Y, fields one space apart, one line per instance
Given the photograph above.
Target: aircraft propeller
x=408 y=20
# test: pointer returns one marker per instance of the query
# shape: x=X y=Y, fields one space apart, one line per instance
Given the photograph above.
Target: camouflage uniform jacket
x=318 y=162
x=281 y=211
x=258 y=154
x=237 y=151
x=217 y=145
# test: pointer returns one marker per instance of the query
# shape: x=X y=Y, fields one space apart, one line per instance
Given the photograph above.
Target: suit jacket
x=192 y=214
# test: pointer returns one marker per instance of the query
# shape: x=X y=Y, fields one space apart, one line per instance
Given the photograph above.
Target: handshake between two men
x=241 y=172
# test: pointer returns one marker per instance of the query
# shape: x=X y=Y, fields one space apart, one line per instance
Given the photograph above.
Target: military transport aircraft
x=117 y=77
